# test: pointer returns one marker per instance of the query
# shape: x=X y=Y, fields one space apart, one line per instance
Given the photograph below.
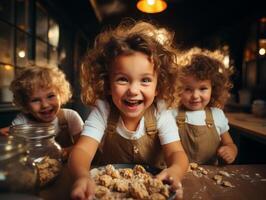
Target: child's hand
x=83 y=189
x=167 y=176
x=65 y=153
x=227 y=153
x=4 y=131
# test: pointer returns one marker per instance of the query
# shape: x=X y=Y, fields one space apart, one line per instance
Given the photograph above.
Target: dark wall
x=6 y=117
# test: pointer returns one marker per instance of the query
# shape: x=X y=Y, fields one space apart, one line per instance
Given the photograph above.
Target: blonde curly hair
x=207 y=65
x=127 y=38
x=31 y=78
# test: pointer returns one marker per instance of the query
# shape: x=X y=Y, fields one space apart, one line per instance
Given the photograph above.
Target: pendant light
x=151 y=6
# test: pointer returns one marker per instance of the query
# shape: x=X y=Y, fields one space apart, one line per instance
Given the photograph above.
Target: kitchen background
x=58 y=32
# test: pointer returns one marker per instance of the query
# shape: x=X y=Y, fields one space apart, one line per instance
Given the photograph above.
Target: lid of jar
x=33 y=131
x=10 y=147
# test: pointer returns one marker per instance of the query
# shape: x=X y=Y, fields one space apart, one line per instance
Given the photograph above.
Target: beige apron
x=116 y=149
x=64 y=138
x=200 y=142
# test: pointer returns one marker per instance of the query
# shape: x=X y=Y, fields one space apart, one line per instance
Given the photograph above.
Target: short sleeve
x=96 y=122
x=167 y=127
x=19 y=119
x=75 y=123
x=220 y=120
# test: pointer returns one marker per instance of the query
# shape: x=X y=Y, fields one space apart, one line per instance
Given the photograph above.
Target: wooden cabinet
x=249 y=134
x=250 y=149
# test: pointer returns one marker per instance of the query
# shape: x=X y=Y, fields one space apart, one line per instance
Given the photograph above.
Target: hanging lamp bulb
x=151 y=6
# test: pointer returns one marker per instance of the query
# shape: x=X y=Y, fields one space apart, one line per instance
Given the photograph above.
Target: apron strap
x=150 y=121
x=63 y=137
x=181 y=118
x=112 y=120
x=209 y=119
x=61 y=119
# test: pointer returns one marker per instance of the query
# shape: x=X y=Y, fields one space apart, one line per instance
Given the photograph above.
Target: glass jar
x=44 y=151
x=17 y=172
x=258 y=108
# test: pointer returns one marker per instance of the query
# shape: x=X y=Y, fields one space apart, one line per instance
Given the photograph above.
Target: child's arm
x=4 y=131
x=66 y=151
x=76 y=138
x=177 y=162
x=79 y=164
x=75 y=127
x=228 y=150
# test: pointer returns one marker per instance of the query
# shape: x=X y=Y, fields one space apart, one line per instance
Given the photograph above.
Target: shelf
x=8 y=107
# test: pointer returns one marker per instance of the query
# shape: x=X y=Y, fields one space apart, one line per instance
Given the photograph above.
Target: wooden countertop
x=248 y=123
x=60 y=189
x=249 y=182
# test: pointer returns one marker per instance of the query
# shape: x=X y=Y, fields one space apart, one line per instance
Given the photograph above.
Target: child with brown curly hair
x=40 y=92
x=203 y=127
x=129 y=77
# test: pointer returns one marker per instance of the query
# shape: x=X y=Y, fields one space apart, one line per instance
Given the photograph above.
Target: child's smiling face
x=196 y=94
x=133 y=83
x=44 y=104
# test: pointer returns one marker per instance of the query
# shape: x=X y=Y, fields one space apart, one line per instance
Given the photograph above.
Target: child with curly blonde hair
x=129 y=77
x=203 y=127
x=40 y=92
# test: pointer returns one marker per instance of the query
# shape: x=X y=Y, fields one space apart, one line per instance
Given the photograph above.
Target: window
x=22 y=55
x=6 y=49
x=6 y=76
x=41 y=53
x=6 y=41
x=22 y=15
x=47 y=31
x=6 y=10
x=25 y=38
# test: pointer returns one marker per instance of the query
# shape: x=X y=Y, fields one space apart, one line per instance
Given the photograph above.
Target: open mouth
x=47 y=112
x=132 y=102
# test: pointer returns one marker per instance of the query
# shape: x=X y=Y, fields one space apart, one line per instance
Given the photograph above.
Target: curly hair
x=207 y=65
x=31 y=78
x=126 y=39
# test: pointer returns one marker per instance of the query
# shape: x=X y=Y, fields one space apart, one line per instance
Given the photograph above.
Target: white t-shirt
x=198 y=118
x=75 y=123
x=96 y=124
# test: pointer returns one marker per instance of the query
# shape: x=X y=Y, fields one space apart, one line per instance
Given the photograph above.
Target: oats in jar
x=48 y=169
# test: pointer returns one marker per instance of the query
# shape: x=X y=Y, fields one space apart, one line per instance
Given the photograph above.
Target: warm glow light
x=8 y=67
x=226 y=61
x=151 y=2
x=21 y=54
x=262 y=51
x=151 y=6
x=53 y=35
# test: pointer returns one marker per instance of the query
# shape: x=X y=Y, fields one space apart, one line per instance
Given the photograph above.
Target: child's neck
x=182 y=107
x=33 y=119
x=131 y=124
